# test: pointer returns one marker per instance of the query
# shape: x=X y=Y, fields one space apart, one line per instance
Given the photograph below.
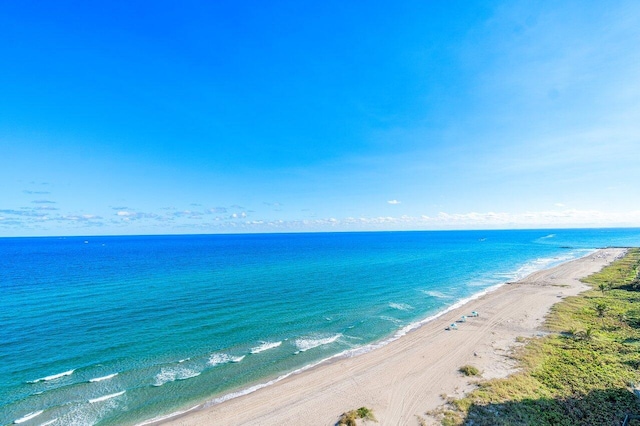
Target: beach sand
x=409 y=376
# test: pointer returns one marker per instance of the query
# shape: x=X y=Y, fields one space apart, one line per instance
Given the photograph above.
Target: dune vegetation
x=469 y=370
x=583 y=372
x=350 y=418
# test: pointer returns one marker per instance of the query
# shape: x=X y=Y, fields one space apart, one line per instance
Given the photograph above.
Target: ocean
x=124 y=329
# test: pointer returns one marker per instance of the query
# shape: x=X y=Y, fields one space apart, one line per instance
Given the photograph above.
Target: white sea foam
x=391 y=319
x=28 y=417
x=99 y=379
x=437 y=294
x=220 y=358
x=183 y=360
x=53 y=377
x=401 y=306
x=189 y=375
x=233 y=395
x=353 y=337
x=50 y=422
x=309 y=343
x=546 y=263
x=106 y=397
x=259 y=386
x=164 y=376
x=264 y=347
x=85 y=414
x=169 y=374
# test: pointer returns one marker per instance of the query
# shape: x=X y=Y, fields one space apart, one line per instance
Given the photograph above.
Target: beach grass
x=583 y=372
x=469 y=370
x=350 y=418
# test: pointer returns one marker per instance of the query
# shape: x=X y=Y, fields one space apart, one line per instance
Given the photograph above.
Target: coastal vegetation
x=469 y=370
x=350 y=418
x=583 y=372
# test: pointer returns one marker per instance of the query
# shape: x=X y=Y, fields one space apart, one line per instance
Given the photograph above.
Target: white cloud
x=443 y=220
x=394 y=202
x=215 y=210
x=24 y=212
x=80 y=218
x=562 y=218
x=188 y=213
x=130 y=215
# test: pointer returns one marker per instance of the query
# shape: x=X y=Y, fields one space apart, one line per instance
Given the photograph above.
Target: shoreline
x=363 y=375
x=169 y=418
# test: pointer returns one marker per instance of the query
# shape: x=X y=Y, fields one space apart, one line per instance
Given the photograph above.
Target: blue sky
x=190 y=117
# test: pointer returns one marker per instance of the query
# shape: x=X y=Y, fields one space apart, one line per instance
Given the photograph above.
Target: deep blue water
x=166 y=322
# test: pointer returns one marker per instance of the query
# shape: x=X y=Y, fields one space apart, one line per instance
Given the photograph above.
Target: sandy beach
x=410 y=376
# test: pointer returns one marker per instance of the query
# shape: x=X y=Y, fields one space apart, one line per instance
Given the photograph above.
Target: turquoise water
x=120 y=330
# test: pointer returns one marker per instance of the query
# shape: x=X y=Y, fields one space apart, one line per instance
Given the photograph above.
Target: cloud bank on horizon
x=161 y=118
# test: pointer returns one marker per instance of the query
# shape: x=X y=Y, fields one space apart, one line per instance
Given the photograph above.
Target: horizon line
x=294 y=232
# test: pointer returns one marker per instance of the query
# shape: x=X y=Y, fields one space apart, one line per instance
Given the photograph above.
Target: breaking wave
x=28 y=417
x=305 y=344
x=264 y=347
x=106 y=397
x=99 y=379
x=219 y=359
x=167 y=375
x=401 y=306
x=53 y=377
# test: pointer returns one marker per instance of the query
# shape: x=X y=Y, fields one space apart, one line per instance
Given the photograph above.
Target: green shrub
x=469 y=370
x=350 y=417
